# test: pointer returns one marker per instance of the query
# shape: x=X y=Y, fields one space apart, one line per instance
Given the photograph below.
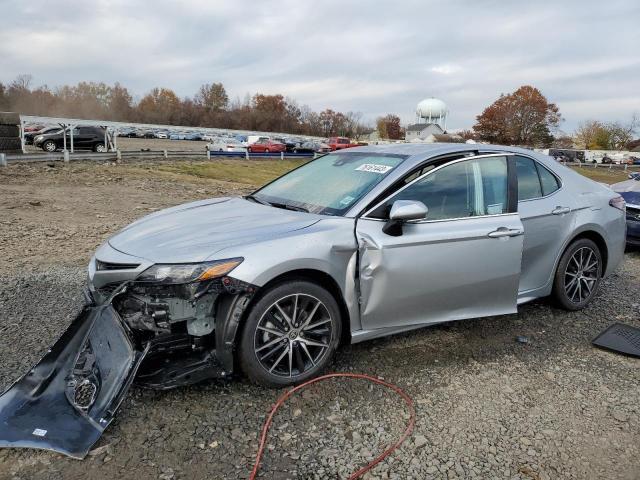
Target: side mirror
x=403 y=211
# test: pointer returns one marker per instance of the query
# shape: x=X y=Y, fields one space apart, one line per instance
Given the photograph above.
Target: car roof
x=426 y=150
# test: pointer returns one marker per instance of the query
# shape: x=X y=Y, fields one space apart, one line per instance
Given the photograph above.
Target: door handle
x=560 y=210
x=505 y=232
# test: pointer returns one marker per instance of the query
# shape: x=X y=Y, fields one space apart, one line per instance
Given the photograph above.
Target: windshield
x=331 y=184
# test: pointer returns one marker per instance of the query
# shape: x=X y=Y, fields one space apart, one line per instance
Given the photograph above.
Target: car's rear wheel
x=49 y=146
x=99 y=147
x=578 y=275
x=290 y=334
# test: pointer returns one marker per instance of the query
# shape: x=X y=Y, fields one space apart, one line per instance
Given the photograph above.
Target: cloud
x=446 y=69
x=349 y=56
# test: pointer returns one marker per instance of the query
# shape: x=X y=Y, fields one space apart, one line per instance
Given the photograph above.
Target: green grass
x=259 y=172
x=250 y=172
x=603 y=174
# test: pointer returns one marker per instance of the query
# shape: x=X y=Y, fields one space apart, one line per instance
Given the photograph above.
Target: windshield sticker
x=347 y=200
x=372 y=167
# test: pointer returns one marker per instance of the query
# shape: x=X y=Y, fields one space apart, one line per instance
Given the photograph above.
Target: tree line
x=524 y=117
x=209 y=107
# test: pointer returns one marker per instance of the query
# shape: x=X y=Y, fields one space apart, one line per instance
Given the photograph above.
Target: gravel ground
x=487 y=406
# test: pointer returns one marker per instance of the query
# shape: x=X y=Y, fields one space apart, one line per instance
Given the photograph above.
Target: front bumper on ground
x=66 y=401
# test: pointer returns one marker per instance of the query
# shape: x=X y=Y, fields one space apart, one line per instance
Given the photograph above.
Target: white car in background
x=225 y=145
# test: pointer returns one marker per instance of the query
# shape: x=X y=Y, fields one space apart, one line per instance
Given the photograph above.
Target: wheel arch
x=595 y=237
x=324 y=280
x=232 y=311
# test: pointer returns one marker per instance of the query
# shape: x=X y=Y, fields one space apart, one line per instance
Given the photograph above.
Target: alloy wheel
x=293 y=335
x=581 y=275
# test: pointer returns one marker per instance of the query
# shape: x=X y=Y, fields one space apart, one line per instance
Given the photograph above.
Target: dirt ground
x=487 y=405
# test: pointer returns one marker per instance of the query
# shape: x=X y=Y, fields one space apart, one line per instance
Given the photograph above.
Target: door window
x=534 y=180
x=528 y=180
x=463 y=189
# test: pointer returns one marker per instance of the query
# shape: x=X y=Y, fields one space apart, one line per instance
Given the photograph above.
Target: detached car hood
x=195 y=231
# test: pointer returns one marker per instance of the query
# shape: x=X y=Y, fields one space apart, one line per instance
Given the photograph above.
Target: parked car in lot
x=126 y=132
x=312 y=147
x=255 y=138
x=630 y=191
x=338 y=143
x=161 y=134
x=29 y=136
x=84 y=138
x=266 y=146
x=225 y=145
x=33 y=128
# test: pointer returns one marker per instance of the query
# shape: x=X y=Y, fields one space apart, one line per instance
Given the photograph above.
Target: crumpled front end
x=66 y=401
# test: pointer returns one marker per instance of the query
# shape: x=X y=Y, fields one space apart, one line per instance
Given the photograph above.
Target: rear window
x=534 y=180
x=548 y=180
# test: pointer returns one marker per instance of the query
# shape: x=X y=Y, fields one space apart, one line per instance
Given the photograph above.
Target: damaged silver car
x=354 y=245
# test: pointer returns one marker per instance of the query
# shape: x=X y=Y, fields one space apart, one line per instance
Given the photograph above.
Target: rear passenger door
x=82 y=137
x=546 y=212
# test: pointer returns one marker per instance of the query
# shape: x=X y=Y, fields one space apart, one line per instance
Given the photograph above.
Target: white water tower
x=432 y=110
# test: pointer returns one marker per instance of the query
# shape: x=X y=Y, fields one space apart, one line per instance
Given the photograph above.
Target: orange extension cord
x=375 y=461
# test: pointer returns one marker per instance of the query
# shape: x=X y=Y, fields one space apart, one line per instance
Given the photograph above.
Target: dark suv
x=84 y=138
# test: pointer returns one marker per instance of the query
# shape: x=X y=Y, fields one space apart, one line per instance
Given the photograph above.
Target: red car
x=266 y=146
x=338 y=143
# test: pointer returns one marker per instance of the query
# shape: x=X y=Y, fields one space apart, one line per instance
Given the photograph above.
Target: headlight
x=188 y=272
x=39 y=137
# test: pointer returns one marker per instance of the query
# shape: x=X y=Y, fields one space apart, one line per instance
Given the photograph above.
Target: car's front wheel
x=578 y=275
x=49 y=146
x=99 y=147
x=290 y=334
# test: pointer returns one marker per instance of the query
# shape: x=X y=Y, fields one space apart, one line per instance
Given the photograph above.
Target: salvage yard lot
x=487 y=406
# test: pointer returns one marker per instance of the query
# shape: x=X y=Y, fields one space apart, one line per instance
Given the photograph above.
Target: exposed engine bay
x=184 y=327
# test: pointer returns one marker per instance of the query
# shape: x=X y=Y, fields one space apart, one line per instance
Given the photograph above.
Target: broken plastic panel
x=66 y=401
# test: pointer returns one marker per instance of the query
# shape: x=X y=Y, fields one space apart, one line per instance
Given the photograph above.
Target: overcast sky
x=366 y=56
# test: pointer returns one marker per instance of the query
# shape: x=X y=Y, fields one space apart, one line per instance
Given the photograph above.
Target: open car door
x=461 y=261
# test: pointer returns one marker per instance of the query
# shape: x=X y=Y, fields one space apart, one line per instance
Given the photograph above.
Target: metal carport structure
x=71 y=123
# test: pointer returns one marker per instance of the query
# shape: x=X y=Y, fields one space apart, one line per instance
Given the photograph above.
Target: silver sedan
x=354 y=245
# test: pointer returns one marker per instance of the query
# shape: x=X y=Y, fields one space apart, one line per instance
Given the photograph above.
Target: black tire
x=99 y=146
x=575 y=285
x=49 y=146
x=324 y=325
x=10 y=144
x=9 y=131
